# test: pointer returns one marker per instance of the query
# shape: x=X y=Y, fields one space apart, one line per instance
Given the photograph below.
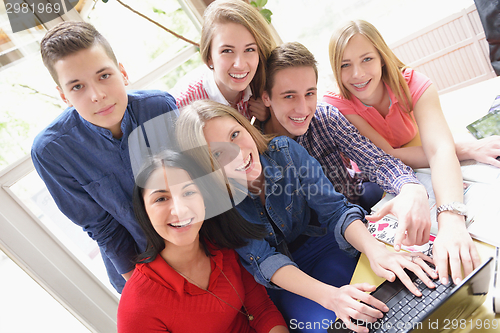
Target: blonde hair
x=193 y=118
x=392 y=67
x=240 y=12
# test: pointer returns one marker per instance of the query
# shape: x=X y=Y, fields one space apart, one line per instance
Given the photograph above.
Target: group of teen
x=234 y=227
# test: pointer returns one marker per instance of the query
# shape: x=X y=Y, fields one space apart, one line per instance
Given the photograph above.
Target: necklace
x=246 y=314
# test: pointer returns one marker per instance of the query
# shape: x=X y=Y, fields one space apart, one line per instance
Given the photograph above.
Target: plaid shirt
x=331 y=134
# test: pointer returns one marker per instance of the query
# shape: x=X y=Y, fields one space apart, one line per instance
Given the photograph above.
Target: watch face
x=459 y=207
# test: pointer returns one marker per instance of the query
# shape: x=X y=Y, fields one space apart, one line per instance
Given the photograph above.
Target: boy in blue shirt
x=83 y=155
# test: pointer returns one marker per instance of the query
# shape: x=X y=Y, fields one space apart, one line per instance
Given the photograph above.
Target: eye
x=288 y=96
x=105 y=76
x=160 y=199
x=344 y=66
x=227 y=51
x=217 y=154
x=250 y=49
x=77 y=87
x=367 y=59
x=311 y=93
x=189 y=193
x=235 y=135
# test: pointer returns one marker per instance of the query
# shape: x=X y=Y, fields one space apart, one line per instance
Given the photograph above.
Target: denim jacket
x=294 y=184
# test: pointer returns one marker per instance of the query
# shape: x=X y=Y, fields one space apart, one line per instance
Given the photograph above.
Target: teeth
x=362 y=85
x=238 y=76
x=245 y=165
x=298 y=120
x=181 y=224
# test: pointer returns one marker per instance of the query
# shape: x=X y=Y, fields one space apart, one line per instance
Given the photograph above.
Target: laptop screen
x=462 y=301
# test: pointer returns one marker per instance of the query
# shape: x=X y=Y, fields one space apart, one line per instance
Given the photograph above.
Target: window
x=56 y=253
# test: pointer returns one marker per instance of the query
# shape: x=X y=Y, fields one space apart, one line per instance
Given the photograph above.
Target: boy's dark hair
x=67 y=38
x=226 y=230
x=288 y=55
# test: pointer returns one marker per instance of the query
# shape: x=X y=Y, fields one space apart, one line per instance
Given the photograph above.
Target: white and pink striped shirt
x=206 y=88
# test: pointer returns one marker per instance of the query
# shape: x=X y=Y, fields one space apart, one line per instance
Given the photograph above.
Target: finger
x=405 y=279
x=366 y=313
x=383 y=211
x=441 y=261
x=374 y=304
x=423 y=264
x=476 y=260
x=493 y=161
x=421 y=269
x=455 y=267
x=353 y=327
x=400 y=236
x=467 y=263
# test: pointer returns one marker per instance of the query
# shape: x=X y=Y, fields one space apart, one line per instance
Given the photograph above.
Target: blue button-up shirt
x=294 y=184
x=89 y=174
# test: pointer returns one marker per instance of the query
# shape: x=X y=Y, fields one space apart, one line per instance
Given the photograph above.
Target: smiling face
x=361 y=70
x=92 y=83
x=293 y=101
x=175 y=206
x=234 y=57
x=246 y=167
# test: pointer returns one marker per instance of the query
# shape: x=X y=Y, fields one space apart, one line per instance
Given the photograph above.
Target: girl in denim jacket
x=313 y=233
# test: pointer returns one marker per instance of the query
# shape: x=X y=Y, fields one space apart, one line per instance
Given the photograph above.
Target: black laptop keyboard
x=405 y=307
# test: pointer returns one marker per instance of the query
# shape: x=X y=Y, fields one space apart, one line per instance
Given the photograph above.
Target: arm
x=388 y=172
x=388 y=264
x=485 y=150
x=453 y=243
x=411 y=156
x=410 y=205
x=343 y=301
x=74 y=202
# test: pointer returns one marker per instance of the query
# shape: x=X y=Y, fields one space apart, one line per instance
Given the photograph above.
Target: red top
x=157 y=299
x=398 y=127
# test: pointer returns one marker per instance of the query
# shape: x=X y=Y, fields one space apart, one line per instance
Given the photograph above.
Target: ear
x=63 y=96
x=124 y=73
x=210 y=63
x=266 y=99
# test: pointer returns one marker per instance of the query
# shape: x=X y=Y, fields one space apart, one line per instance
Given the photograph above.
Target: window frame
x=25 y=239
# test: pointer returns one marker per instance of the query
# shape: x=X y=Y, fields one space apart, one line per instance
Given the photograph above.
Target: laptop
x=439 y=309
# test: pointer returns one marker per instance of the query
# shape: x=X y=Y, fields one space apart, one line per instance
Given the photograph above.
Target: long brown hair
x=240 y=12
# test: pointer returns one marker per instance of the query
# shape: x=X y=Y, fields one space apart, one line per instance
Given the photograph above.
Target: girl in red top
x=391 y=104
x=184 y=282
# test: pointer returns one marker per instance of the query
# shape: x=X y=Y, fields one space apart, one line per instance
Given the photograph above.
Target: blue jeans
x=321 y=258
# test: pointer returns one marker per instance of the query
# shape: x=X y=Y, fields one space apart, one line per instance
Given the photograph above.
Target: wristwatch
x=455 y=207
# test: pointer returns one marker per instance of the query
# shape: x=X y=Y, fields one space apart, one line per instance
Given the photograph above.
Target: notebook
x=489 y=124
x=437 y=310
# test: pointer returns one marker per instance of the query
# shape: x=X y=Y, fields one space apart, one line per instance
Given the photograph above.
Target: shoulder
x=412 y=76
x=150 y=102
x=280 y=142
x=344 y=105
x=285 y=151
x=333 y=98
x=63 y=124
x=192 y=91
